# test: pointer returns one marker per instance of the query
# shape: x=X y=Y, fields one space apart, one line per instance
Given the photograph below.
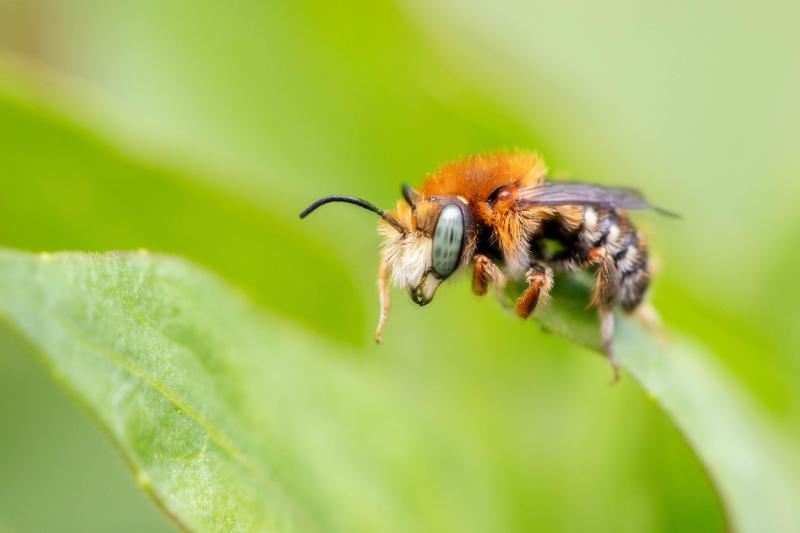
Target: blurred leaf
x=231 y=422
x=67 y=187
x=321 y=95
x=746 y=456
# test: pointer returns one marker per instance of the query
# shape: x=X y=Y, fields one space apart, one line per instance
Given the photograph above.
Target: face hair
x=355 y=201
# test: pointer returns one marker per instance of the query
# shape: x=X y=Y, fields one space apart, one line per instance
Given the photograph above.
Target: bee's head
x=432 y=245
x=424 y=239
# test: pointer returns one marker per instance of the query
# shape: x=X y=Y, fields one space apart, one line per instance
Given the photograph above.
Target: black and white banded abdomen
x=607 y=239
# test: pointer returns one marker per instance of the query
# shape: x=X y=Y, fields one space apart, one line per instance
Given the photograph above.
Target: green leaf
x=234 y=420
x=745 y=454
x=93 y=192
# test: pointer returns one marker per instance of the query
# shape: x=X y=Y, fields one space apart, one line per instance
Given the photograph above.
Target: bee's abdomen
x=633 y=270
x=608 y=234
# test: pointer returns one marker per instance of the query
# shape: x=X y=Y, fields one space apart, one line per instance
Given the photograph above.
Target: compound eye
x=447 y=240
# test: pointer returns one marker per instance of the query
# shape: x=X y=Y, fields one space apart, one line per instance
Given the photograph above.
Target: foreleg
x=485 y=273
x=383 y=294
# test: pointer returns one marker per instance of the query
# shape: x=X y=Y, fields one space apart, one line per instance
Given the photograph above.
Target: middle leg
x=540 y=281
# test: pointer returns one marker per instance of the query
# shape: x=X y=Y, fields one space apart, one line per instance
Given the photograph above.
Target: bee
x=497 y=214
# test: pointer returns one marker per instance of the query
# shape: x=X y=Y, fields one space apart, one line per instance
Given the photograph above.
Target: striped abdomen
x=607 y=239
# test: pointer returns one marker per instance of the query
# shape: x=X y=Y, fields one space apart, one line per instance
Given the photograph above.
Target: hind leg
x=604 y=295
x=606 y=315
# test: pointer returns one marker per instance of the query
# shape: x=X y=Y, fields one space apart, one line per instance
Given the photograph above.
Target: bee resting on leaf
x=495 y=214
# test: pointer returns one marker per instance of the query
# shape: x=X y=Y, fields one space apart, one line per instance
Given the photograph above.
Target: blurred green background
x=201 y=130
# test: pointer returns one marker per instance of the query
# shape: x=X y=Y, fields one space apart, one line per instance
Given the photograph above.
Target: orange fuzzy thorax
x=476 y=176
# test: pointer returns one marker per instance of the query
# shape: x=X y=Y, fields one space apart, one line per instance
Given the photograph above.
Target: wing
x=577 y=193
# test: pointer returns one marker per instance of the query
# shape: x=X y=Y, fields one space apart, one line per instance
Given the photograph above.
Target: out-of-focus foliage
x=202 y=131
x=68 y=188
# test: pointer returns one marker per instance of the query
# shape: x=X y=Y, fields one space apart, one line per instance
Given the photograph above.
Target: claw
x=614 y=370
